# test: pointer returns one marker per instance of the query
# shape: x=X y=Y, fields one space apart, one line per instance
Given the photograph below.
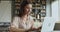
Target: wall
x=48 y=8
x=53 y=9
x=5 y=11
x=56 y=10
x=59 y=8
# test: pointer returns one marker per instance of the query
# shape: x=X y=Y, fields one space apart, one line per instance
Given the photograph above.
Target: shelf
x=36 y=8
x=42 y=17
x=38 y=5
x=43 y=2
x=17 y=4
x=43 y=11
x=17 y=0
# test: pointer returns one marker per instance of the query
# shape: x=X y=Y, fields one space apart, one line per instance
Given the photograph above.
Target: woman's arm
x=14 y=29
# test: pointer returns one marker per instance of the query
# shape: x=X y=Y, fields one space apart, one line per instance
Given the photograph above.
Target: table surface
x=56 y=31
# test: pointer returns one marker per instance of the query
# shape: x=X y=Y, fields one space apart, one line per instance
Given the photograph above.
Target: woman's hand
x=36 y=25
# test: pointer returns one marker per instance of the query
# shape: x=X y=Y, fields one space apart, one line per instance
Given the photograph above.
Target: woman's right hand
x=16 y=29
x=36 y=25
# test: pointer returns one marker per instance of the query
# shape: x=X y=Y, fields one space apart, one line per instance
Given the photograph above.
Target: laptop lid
x=48 y=24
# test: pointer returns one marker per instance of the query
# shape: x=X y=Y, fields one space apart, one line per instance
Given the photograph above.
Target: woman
x=24 y=21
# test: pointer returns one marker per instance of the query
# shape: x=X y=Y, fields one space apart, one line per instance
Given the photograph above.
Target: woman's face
x=28 y=9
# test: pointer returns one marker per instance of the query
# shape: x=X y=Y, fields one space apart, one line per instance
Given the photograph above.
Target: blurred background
x=40 y=10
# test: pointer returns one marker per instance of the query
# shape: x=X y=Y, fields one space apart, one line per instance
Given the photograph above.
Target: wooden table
x=37 y=30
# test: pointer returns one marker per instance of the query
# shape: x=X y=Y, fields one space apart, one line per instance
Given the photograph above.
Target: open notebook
x=48 y=24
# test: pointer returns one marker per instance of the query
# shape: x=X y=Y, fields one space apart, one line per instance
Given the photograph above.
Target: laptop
x=48 y=24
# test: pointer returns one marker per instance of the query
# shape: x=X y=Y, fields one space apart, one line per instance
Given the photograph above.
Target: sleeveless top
x=20 y=23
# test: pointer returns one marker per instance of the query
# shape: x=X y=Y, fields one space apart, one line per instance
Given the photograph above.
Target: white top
x=20 y=23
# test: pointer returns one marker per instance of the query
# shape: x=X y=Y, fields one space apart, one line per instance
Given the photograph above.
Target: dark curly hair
x=22 y=5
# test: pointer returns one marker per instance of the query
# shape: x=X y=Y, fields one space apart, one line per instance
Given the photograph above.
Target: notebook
x=48 y=24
